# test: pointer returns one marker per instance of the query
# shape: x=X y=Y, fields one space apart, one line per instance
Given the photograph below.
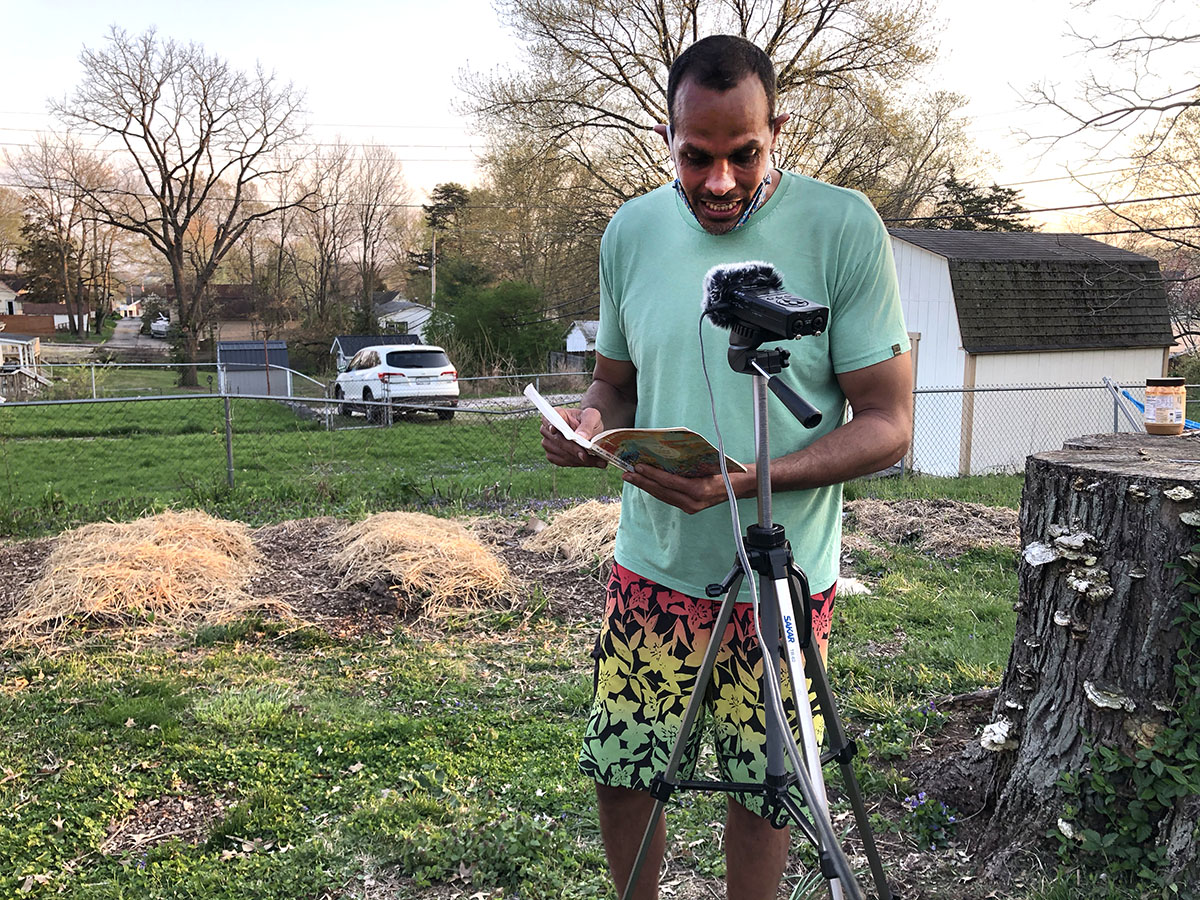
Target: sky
x=385 y=72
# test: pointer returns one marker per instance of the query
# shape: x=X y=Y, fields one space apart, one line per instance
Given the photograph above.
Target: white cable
x=773 y=683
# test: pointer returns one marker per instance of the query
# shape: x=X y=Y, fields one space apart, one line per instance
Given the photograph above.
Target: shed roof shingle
x=1025 y=292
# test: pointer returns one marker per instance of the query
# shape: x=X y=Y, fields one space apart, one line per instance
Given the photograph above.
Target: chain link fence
x=132 y=440
x=993 y=429
x=67 y=460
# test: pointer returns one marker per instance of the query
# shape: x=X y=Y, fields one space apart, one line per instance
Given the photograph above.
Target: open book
x=679 y=451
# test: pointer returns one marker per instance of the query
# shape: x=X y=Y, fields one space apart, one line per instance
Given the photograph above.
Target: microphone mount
x=746 y=358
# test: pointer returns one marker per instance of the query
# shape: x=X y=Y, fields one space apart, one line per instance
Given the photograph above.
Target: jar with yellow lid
x=1166 y=400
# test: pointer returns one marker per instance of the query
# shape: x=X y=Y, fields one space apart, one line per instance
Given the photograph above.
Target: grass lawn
x=67 y=463
x=62 y=464
x=311 y=760
x=308 y=763
x=348 y=763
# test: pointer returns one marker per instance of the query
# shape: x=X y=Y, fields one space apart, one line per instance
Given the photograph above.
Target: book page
x=553 y=417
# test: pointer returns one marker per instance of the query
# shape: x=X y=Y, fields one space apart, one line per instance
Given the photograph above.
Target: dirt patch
x=296 y=570
x=20 y=566
x=945 y=528
x=186 y=815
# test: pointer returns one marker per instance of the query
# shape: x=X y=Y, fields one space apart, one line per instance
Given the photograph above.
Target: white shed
x=254 y=367
x=9 y=304
x=987 y=310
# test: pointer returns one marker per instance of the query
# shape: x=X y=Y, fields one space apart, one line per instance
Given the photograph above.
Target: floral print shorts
x=648 y=656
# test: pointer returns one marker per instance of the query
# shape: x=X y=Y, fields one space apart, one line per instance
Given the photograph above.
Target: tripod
x=785 y=608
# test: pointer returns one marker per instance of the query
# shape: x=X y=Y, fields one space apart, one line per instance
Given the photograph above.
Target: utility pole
x=433 y=272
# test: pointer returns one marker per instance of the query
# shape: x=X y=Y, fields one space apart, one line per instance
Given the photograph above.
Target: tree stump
x=1103 y=524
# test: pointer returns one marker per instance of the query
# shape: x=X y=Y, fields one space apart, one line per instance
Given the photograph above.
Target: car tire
x=374 y=414
x=343 y=408
x=445 y=414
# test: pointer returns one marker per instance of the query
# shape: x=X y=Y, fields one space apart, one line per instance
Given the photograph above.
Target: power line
x=577 y=233
x=1148 y=230
x=1030 y=212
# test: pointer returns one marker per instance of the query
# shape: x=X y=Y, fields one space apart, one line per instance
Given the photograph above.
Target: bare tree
x=57 y=176
x=10 y=228
x=188 y=134
x=594 y=80
x=326 y=229
x=378 y=190
x=1127 y=93
x=1129 y=111
x=898 y=155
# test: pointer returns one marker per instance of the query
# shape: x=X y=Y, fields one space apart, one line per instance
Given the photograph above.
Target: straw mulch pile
x=432 y=566
x=945 y=528
x=161 y=573
x=583 y=536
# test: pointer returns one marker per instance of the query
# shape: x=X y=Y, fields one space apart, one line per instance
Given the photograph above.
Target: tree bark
x=1096 y=641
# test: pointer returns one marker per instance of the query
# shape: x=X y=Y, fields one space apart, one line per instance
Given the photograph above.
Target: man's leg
x=755 y=855
x=623 y=817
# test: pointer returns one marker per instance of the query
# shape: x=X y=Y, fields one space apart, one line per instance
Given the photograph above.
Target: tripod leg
x=844 y=754
x=665 y=783
x=812 y=777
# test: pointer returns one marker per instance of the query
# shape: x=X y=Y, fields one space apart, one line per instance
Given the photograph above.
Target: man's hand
x=563 y=452
x=691 y=494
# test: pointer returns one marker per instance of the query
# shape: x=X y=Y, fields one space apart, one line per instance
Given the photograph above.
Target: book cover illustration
x=679 y=451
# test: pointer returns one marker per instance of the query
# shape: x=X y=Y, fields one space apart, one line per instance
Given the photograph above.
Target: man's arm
x=609 y=402
x=877 y=436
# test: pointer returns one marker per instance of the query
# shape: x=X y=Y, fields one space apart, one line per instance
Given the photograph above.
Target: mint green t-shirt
x=830 y=246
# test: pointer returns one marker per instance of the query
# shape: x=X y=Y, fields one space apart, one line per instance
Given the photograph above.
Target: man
x=729 y=204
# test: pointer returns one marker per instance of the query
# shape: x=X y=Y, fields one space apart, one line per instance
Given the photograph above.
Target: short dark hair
x=720 y=62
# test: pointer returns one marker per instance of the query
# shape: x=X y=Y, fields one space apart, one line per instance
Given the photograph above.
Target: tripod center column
x=762 y=452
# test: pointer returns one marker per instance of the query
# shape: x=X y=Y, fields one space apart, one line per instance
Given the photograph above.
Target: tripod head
x=748 y=299
x=748 y=359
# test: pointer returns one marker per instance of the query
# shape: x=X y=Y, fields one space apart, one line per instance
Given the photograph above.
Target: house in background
x=581 y=338
x=129 y=310
x=9 y=304
x=395 y=314
x=233 y=312
x=20 y=355
x=41 y=319
x=346 y=345
x=254 y=367
x=987 y=310
x=580 y=348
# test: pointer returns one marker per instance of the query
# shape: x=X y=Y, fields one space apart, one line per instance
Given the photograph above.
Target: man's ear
x=777 y=125
x=665 y=132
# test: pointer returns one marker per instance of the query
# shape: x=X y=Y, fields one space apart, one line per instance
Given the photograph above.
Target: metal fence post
x=93 y=368
x=228 y=441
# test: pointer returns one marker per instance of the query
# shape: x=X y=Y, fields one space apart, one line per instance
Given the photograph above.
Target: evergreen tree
x=965 y=206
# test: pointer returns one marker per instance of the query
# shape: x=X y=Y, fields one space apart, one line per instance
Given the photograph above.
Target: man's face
x=721 y=145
